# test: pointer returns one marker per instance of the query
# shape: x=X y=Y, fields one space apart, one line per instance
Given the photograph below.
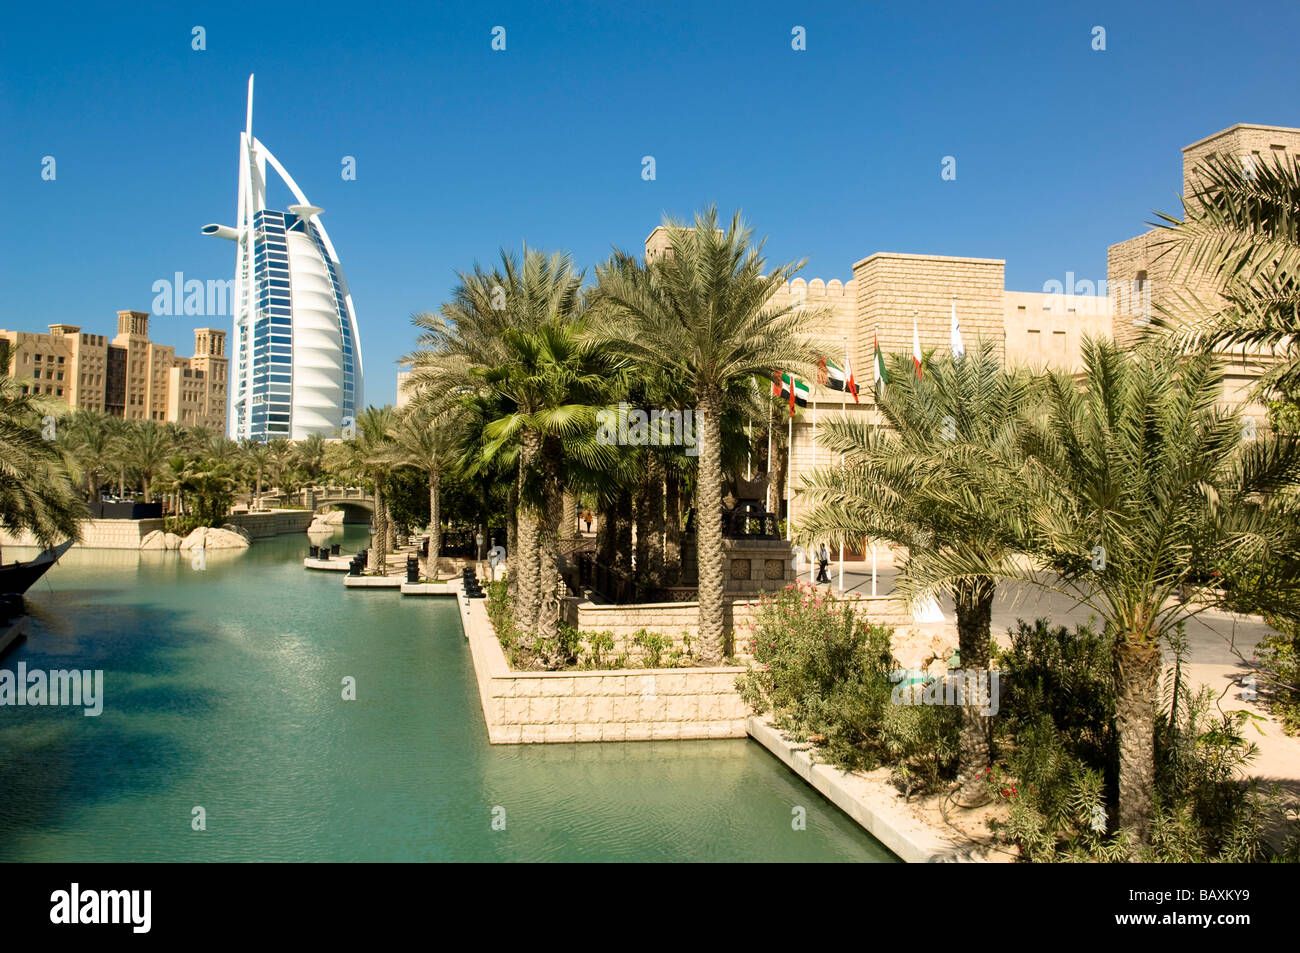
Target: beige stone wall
x=833 y=306
x=99 y=534
x=669 y=619
x=1264 y=143
x=1045 y=330
x=273 y=523
x=632 y=705
x=629 y=705
x=892 y=287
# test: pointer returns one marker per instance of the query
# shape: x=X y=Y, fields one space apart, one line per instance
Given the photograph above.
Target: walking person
x=823 y=560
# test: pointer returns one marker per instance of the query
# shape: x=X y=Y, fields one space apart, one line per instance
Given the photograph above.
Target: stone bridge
x=351 y=499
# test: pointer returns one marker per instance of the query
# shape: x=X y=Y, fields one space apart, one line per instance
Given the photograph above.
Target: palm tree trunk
x=144 y=480
x=641 y=524
x=621 y=524
x=512 y=543
x=524 y=562
x=379 y=538
x=708 y=529
x=435 y=521
x=1137 y=684
x=672 y=529
x=605 y=534
x=973 y=600
x=550 y=585
x=654 y=520
x=570 y=525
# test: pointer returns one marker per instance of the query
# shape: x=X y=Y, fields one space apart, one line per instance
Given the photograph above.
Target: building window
x=60 y=360
x=59 y=392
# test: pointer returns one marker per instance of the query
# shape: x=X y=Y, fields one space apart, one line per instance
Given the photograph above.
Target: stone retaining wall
x=272 y=522
x=127 y=534
x=626 y=705
x=99 y=534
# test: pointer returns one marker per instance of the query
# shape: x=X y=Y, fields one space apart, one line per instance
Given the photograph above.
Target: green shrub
x=1279 y=660
x=502 y=614
x=824 y=673
x=600 y=644
x=1060 y=777
x=184 y=524
x=653 y=645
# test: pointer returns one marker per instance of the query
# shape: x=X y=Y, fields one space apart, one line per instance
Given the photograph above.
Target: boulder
x=155 y=540
x=206 y=538
x=232 y=528
x=172 y=540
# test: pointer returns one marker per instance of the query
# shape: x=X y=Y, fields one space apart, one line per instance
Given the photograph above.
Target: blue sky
x=834 y=152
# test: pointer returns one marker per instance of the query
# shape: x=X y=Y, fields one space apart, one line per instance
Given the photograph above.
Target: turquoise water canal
x=222 y=691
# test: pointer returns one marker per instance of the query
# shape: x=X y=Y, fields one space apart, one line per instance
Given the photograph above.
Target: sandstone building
x=128 y=376
x=1044 y=329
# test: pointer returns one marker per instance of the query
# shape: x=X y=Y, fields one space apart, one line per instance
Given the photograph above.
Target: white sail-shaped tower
x=296 y=353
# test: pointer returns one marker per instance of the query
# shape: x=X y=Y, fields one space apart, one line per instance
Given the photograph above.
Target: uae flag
x=841 y=378
x=795 y=391
x=881 y=377
x=916 y=349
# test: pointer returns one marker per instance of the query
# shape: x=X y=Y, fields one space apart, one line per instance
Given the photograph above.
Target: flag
x=839 y=379
x=794 y=390
x=954 y=335
x=916 y=349
x=878 y=368
x=776 y=384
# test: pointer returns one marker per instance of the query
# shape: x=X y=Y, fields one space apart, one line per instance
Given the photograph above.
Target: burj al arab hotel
x=296 y=354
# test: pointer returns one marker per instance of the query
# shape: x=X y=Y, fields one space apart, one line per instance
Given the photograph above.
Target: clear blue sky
x=834 y=153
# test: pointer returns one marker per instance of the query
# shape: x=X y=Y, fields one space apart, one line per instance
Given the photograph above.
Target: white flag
x=958 y=348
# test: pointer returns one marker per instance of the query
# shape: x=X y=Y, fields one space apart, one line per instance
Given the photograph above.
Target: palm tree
x=908 y=484
x=369 y=458
x=513 y=342
x=145 y=447
x=1240 y=227
x=36 y=492
x=1133 y=486
x=256 y=457
x=427 y=443
x=703 y=314
x=91 y=439
x=310 y=457
x=281 y=455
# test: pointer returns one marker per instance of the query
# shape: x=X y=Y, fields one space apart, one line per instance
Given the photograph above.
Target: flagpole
x=789 y=473
x=770 y=428
x=844 y=411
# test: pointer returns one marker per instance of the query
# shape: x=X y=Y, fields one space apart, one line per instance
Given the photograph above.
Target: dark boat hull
x=21 y=576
